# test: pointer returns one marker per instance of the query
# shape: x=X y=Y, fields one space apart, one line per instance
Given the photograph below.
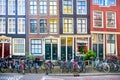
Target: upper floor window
x=68 y=25
x=33 y=26
x=81 y=7
x=21 y=25
x=33 y=7
x=11 y=7
x=53 y=25
x=21 y=7
x=105 y=2
x=11 y=25
x=43 y=25
x=111 y=20
x=98 y=19
x=43 y=7
x=81 y=25
x=53 y=7
x=2 y=7
x=67 y=6
x=2 y=25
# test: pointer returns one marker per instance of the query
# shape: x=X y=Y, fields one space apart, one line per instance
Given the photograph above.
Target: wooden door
x=6 y=49
x=0 y=50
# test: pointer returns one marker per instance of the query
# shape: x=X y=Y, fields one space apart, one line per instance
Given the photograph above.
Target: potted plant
x=90 y=55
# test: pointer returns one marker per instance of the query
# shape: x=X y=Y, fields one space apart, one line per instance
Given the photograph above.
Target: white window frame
x=45 y=6
x=2 y=26
x=63 y=7
x=17 y=44
x=21 y=7
x=11 y=7
x=21 y=28
x=115 y=21
x=3 y=7
x=13 y=26
x=102 y=20
x=35 y=44
x=115 y=45
x=33 y=6
x=34 y=23
x=44 y=27
x=78 y=9
x=82 y=26
x=98 y=3
x=72 y=25
x=53 y=27
x=53 y=11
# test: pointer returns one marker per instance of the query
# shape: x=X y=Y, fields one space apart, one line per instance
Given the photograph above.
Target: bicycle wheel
x=106 y=68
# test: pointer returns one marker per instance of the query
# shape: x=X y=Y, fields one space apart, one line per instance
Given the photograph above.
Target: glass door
x=54 y=52
x=48 y=51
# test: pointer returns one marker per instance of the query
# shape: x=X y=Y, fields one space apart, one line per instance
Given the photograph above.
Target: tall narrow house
x=105 y=27
x=43 y=28
x=74 y=28
x=12 y=28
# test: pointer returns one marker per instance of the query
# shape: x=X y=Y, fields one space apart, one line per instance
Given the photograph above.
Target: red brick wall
x=104 y=9
x=38 y=17
x=118 y=46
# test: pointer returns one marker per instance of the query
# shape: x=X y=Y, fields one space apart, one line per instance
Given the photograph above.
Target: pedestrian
x=46 y=67
x=23 y=66
x=75 y=68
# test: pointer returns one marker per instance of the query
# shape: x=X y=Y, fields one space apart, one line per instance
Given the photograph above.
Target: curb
x=85 y=74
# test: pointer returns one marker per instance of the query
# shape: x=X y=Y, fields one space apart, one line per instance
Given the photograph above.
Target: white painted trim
x=12 y=26
x=102 y=19
x=115 y=20
x=72 y=25
x=18 y=54
x=77 y=8
x=63 y=7
x=105 y=32
x=82 y=26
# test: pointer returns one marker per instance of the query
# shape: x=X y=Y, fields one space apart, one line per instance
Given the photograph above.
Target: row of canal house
x=59 y=29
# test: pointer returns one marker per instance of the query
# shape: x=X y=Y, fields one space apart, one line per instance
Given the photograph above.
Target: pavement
x=86 y=74
x=38 y=76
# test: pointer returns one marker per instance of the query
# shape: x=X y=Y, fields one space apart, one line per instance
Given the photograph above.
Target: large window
x=2 y=25
x=98 y=19
x=11 y=7
x=68 y=25
x=43 y=25
x=81 y=7
x=2 y=7
x=33 y=7
x=98 y=47
x=111 y=45
x=67 y=6
x=36 y=46
x=53 y=7
x=21 y=7
x=21 y=25
x=81 y=25
x=111 y=19
x=105 y=2
x=43 y=7
x=19 y=46
x=53 y=25
x=11 y=25
x=33 y=26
